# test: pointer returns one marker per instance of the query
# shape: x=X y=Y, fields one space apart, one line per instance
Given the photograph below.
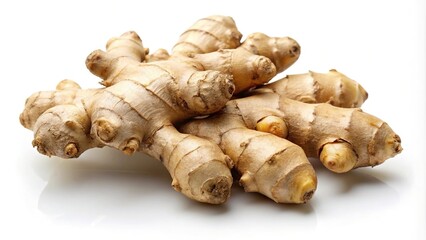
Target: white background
x=106 y=195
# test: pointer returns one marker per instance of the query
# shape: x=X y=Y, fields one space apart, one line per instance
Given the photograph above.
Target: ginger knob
x=274 y=125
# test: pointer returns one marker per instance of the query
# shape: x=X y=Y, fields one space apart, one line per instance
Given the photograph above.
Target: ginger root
x=332 y=87
x=266 y=132
x=267 y=164
x=145 y=95
x=342 y=138
x=136 y=112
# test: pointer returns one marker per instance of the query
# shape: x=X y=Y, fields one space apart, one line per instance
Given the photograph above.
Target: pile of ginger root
x=207 y=108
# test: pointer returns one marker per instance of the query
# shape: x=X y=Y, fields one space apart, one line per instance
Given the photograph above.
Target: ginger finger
x=283 y=52
x=274 y=125
x=208 y=35
x=267 y=164
x=247 y=70
x=332 y=87
x=338 y=157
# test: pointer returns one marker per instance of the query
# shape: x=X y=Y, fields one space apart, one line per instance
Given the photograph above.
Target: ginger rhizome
x=136 y=112
x=342 y=138
x=142 y=100
x=268 y=164
x=266 y=132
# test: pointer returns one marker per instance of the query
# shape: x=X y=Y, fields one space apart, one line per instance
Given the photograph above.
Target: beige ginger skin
x=268 y=164
x=360 y=138
x=266 y=134
x=144 y=98
x=68 y=121
x=342 y=138
x=251 y=63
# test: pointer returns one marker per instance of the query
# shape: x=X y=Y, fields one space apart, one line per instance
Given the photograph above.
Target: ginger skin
x=267 y=133
x=267 y=164
x=332 y=87
x=343 y=138
x=283 y=52
x=215 y=43
x=69 y=121
x=208 y=35
x=378 y=140
x=145 y=95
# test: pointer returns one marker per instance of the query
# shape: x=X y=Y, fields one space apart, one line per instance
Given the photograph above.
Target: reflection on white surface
x=106 y=188
x=360 y=191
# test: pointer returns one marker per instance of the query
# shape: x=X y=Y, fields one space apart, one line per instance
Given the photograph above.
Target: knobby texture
x=145 y=95
x=266 y=132
x=343 y=138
